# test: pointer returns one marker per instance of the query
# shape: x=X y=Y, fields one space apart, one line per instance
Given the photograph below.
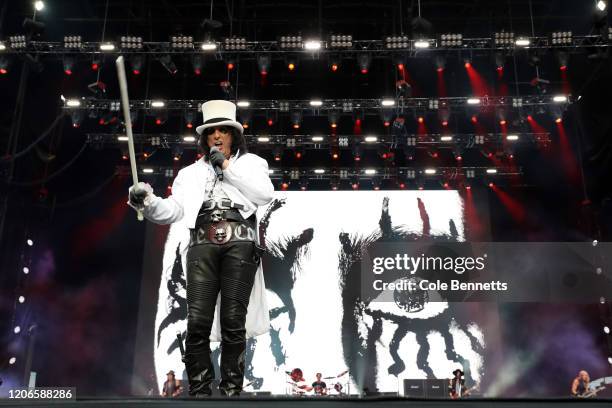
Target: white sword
x=125 y=103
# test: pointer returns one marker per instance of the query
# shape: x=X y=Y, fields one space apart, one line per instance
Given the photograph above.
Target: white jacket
x=245 y=181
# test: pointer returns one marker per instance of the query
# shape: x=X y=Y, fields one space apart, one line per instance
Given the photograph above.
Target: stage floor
x=307 y=402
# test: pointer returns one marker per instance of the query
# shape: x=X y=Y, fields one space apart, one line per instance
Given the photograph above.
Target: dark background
x=83 y=288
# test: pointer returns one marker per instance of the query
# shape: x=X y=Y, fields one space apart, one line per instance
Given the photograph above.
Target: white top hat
x=219 y=113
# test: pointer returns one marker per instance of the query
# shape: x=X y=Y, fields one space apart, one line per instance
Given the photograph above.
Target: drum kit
x=339 y=386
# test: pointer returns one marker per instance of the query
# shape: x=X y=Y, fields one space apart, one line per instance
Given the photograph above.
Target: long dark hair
x=238 y=143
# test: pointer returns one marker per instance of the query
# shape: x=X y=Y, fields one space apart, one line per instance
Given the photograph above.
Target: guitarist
x=580 y=385
x=456 y=387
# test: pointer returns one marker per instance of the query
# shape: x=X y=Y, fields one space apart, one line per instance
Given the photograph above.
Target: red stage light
x=335 y=156
x=358 y=122
x=384 y=155
x=491 y=184
x=459 y=158
x=354 y=186
x=296 y=126
x=468 y=187
x=277 y=158
x=197 y=71
x=402 y=185
x=76 y=125
x=270 y=122
x=357 y=158
x=101 y=121
x=421 y=120
x=558 y=120
x=298 y=155
x=334 y=125
x=364 y=71
x=500 y=69
x=145 y=155
x=68 y=71
x=245 y=125
x=420 y=187
x=264 y=73
x=177 y=158
x=468 y=65
x=334 y=67
x=230 y=66
x=529 y=118
x=440 y=69
x=189 y=125
x=400 y=67
x=563 y=67
x=474 y=119
x=387 y=124
x=445 y=185
x=3 y=71
x=434 y=155
x=502 y=122
x=158 y=121
x=95 y=66
x=285 y=186
x=136 y=72
x=124 y=157
x=445 y=123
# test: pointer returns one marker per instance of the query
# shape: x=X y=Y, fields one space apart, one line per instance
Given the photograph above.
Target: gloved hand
x=138 y=193
x=216 y=157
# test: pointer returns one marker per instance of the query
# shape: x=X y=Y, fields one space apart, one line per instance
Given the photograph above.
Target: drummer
x=319 y=386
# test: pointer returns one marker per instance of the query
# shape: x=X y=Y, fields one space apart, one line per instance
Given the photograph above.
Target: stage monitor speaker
x=436 y=388
x=414 y=388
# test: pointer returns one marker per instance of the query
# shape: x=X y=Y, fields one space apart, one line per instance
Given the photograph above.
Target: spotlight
x=317 y=139
x=440 y=63
x=312 y=45
x=188 y=116
x=177 y=153
x=512 y=138
x=340 y=41
x=21 y=299
x=167 y=63
x=558 y=120
x=421 y=44
x=39 y=5
x=263 y=139
x=387 y=102
x=473 y=101
x=334 y=63
x=263 y=63
x=430 y=171
x=370 y=139
x=559 y=98
x=76 y=118
x=316 y=103
x=235 y=43
x=17 y=42
x=296 y=119
x=128 y=42
x=561 y=38
x=208 y=46
x=243 y=104
x=189 y=139
x=12 y=360
x=601 y=5
x=17 y=330
x=197 y=63
x=291 y=64
x=107 y=47
x=181 y=42
x=25 y=270
x=136 y=62
x=147 y=170
x=364 y=60
x=446 y=138
x=30 y=242
x=95 y=63
x=332 y=117
x=2 y=46
x=158 y=104
x=522 y=42
x=500 y=60
x=491 y=171
x=4 y=64
x=68 y=64
x=606 y=330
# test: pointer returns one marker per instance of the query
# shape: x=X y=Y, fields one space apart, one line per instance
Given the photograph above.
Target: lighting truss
x=386 y=47
x=368 y=106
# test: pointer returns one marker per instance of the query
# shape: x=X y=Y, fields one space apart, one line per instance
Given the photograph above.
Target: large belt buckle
x=220 y=232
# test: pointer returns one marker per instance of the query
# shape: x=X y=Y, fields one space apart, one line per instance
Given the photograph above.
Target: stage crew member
x=581 y=384
x=216 y=198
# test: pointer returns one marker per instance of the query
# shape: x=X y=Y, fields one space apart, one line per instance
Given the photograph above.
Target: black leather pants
x=229 y=268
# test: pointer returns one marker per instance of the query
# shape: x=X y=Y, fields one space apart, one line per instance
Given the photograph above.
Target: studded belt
x=222 y=232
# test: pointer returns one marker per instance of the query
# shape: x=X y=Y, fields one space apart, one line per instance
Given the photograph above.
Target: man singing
x=216 y=198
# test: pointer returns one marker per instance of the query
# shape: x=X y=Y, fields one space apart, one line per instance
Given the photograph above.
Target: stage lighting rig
x=130 y=43
x=312 y=45
x=397 y=42
x=340 y=41
x=73 y=42
x=181 y=42
x=263 y=63
x=561 y=38
x=291 y=42
x=4 y=65
x=503 y=39
x=18 y=42
x=347 y=106
x=107 y=47
x=168 y=64
x=197 y=63
x=363 y=61
x=235 y=43
x=296 y=119
x=451 y=40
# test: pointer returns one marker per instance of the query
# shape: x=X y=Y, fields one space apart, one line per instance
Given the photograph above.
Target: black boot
x=200 y=373
x=232 y=368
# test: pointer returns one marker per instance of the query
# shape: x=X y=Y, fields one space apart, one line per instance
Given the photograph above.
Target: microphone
x=218 y=170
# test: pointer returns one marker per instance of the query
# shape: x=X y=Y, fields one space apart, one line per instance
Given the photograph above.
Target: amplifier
x=436 y=388
x=414 y=388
